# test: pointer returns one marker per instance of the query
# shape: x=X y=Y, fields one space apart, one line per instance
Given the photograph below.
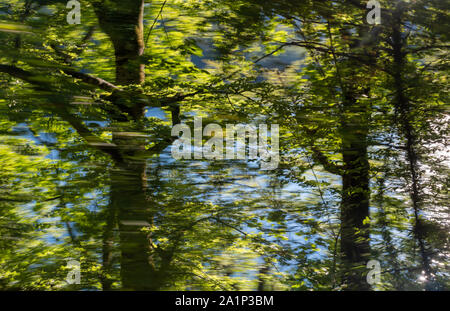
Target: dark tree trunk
x=107 y=248
x=134 y=213
x=122 y=21
x=262 y=277
x=355 y=248
x=403 y=112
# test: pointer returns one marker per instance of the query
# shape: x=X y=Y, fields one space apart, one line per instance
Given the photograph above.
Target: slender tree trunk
x=107 y=248
x=403 y=111
x=355 y=248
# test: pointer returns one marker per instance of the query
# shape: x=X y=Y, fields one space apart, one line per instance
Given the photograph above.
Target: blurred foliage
x=149 y=222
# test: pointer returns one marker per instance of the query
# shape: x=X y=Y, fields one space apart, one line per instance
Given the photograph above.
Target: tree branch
x=62 y=111
x=92 y=80
x=329 y=166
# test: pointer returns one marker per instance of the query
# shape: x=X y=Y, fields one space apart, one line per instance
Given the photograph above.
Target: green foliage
x=85 y=153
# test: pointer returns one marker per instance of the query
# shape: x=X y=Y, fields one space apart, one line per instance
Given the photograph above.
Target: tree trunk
x=403 y=111
x=134 y=213
x=122 y=21
x=355 y=248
